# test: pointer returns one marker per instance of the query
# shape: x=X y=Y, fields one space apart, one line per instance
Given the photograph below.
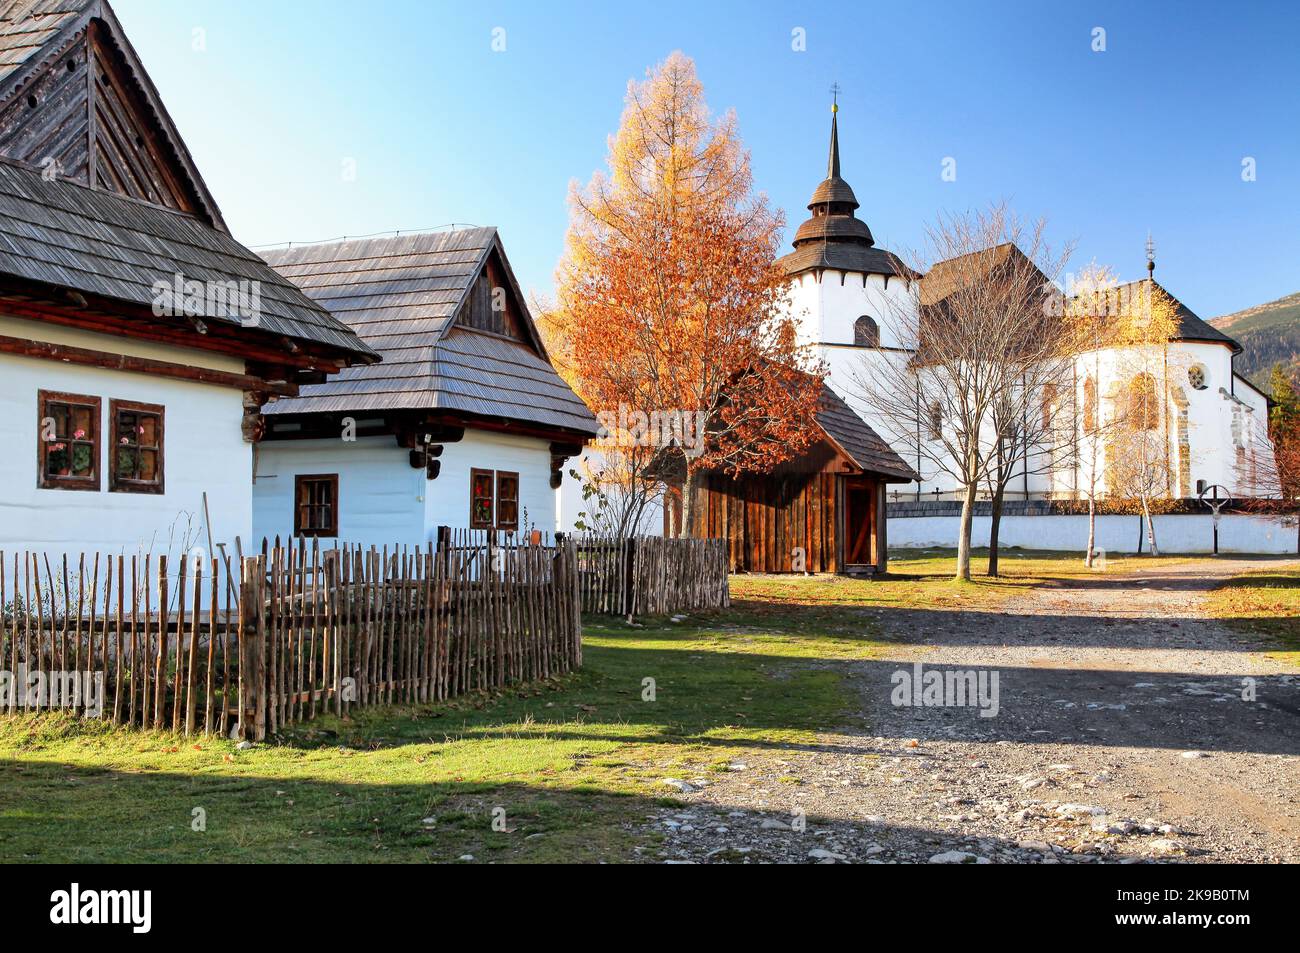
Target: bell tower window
x=866 y=333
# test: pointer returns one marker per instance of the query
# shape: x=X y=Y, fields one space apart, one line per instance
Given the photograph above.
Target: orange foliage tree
x=669 y=296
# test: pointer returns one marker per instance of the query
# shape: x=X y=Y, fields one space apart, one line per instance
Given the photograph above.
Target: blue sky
x=1149 y=134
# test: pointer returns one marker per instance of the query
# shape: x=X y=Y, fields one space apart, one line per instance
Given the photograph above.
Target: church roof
x=859 y=442
x=845 y=257
x=1191 y=327
x=402 y=296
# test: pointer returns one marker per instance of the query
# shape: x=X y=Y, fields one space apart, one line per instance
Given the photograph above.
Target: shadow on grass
x=64 y=812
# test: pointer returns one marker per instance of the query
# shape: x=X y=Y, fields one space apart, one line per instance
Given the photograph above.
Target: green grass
x=1267 y=603
x=576 y=761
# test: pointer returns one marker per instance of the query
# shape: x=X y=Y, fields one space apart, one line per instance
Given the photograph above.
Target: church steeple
x=833 y=165
x=833 y=202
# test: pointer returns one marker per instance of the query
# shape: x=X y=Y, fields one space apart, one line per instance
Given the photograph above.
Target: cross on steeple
x=835 y=97
x=1151 y=256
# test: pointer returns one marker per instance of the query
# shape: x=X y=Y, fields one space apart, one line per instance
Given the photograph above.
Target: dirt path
x=1129 y=727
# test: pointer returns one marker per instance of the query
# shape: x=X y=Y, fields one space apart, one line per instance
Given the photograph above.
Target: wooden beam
x=85 y=357
x=222 y=338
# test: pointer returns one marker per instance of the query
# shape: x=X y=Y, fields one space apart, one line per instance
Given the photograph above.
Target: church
x=845 y=295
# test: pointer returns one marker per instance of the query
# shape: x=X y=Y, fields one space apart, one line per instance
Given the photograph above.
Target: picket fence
x=652 y=575
x=276 y=638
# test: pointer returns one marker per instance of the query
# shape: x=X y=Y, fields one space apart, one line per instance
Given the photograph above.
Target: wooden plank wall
x=764 y=520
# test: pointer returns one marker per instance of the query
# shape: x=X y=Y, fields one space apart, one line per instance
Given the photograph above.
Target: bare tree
x=619 y=491
x=1141 y=475
x=978 y=323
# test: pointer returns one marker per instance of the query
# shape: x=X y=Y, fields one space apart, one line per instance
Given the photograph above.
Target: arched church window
x=866 y=333
x=1089 y=406
x=936 y=420
x=1143 y=408
x=1049 y=406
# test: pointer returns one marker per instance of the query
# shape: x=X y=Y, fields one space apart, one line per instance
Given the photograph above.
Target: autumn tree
x=669 y=293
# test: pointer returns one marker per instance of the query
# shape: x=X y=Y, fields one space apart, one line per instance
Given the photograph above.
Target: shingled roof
x=856 y=438
x=1191 y=327
x=72 y=237
x=27 y=25
x=834 y=237
x=402 y=295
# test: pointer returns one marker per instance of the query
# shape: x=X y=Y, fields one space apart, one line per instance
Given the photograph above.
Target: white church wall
x=204 y=450
x=1175 y=533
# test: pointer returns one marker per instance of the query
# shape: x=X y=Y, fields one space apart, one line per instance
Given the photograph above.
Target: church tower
x=843 y=288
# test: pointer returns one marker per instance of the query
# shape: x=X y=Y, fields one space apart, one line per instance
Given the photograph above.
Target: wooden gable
x=83 y=109
x=492 y=303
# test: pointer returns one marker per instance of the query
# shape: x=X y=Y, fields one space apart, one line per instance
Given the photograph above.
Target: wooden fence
x=213 y=647
x=652 y=575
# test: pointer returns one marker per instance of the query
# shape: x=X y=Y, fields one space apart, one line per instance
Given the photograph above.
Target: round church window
x=1196 y=376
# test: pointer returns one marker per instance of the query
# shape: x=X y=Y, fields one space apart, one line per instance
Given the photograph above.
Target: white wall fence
x=1175 y=533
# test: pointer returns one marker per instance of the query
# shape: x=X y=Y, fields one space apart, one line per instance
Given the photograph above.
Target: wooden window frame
x=43 y=480
x=117 y=484
x=474 y=473
x=496 y=509
x=327 y=532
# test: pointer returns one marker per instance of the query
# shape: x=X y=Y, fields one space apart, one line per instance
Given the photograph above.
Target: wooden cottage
x=464 y=424
x=823 y=511
x=137 y=337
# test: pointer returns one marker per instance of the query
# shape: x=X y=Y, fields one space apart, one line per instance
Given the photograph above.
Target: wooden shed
x=823 y=511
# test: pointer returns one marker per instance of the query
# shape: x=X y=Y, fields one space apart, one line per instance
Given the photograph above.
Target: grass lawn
x=574 y=764
x=1265 y=603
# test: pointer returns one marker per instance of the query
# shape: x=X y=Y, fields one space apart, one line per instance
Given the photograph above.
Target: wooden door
x=859 y=522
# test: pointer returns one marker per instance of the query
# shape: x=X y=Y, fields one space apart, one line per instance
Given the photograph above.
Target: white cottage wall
x=203 y=451
x=381 y=498
x=447 y=498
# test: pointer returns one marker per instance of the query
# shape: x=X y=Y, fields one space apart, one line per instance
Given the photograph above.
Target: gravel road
x=1129 y=728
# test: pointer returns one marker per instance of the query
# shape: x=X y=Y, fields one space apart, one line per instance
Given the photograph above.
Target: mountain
x=1270 y=334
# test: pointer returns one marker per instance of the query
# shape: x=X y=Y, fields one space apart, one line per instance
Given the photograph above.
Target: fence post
x=252 y=640
x=629 y=577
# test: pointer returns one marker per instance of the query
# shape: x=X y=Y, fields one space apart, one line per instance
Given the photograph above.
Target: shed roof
x=856 y=438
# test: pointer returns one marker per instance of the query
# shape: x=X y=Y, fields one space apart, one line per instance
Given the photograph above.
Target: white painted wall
x=380 y=497
x=447 y=499
x=383 y=501
x=826 y=307
x=570 y=507
x=1176 y=533
x=1227 y=426
x=204 y=451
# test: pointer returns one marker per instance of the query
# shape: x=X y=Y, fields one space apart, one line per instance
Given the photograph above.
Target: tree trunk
x=1092 y=532
x=690 y=487
x=964 y=532
x=1151 y=528
x=995 y=522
